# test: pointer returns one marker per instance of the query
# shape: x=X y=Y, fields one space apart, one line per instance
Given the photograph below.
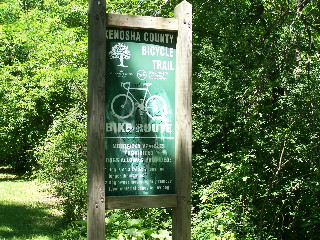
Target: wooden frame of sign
x=180 y=202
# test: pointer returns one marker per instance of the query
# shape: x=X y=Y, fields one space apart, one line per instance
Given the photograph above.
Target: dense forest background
x=256 y=113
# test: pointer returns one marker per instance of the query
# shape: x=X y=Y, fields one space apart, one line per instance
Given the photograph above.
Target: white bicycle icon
x=122 y=105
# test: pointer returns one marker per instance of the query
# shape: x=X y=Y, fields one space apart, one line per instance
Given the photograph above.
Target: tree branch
x=317 y=29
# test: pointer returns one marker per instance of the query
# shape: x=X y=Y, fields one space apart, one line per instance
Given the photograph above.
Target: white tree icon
x=120 y=51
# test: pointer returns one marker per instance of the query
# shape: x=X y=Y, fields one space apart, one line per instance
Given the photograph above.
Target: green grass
x=26 y=210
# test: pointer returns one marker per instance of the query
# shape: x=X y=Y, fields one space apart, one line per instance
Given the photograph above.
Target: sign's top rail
x=142 y=22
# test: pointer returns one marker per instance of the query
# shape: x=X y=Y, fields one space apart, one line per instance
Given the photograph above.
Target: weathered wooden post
x=181 y=228
x=139 y=124
x=96 y=116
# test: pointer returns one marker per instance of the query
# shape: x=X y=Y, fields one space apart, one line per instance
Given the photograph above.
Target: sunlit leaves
x=43 y=70
x=255 y=107
x=161 y=8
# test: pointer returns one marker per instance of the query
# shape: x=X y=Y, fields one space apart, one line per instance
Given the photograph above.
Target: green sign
x=140 y=112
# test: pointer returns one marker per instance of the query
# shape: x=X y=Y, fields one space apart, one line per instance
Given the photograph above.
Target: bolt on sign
x=140 y=112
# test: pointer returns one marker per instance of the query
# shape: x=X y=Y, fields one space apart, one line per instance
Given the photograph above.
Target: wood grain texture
x=148 y=201
x=96 y=120
x=181 y=219
x=145 y=22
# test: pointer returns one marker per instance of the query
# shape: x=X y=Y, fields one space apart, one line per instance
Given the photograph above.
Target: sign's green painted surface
x=140 y=112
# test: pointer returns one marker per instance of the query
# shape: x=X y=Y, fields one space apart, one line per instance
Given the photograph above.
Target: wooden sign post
x=96 y=119
x=139 y=129
x=181 y=228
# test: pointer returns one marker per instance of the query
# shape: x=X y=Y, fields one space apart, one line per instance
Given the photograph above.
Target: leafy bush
x=139 y=224
x=62 y=161
x=42 y=72
x=77 y=230
x=255 y=119
x=219 y=217
x=9 y=13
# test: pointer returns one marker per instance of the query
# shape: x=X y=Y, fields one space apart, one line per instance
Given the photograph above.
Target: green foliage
x=161 y=8
x=62 y=161
x=255 y=105
x=221 y=217
x=9 y=13
x=127 y=225
x=77 y=230
x=124 y=225
x=43 y=76
x=43 y=69
x=255 y=113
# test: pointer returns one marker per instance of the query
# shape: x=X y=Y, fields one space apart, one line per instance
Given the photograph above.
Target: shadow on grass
x=10 y=179
x=27 y=222
x=8 y=174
